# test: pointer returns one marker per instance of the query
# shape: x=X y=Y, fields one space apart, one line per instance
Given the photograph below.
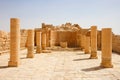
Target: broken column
x=38 y=42
x=106 y=48
x=87 y=45
x=30 y=43
x=93 y=42
x=14 y=42
x=43 y=41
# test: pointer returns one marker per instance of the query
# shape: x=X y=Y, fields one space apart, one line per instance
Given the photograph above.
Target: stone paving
x=59 y=65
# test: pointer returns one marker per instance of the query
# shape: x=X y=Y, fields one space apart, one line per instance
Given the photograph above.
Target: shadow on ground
x=3 y=67
x=81 y=59
x=23 y=58
x=93 y=69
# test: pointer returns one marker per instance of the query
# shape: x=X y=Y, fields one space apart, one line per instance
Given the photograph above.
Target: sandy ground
x=59 y=65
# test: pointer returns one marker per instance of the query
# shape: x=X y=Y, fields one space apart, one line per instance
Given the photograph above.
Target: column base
x=43 y=46
x=106 y=64
x=38 y=50
x=13 y=64
x=30 y=56
x=93 y=55
x=82 y=48
x=30 y=53
x=87 y=52
x=46 y=51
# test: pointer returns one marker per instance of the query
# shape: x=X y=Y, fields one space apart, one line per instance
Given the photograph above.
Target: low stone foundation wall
x=5 y=40
x=23 y=42
x=116 y=43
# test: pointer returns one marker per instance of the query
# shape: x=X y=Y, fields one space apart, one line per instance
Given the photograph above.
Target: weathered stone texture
x=106 y=48
x=54 y=39
x=23 y=42
x=87 y=44
x=4 y=41
x=93 y=42
x=43 y=41
x=99 y=40
x=30 y=44
x=38 y=44
x=14 y=42
x=116 y=43
x=64 y=36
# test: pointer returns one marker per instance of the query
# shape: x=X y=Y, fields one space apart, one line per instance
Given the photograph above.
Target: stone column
x=87 y=45
x=43 y=41
x=38 y=42
x=106 y=48
x=51 y=38
x=93 y=42
x=82 y=41
x=30 y=44
x=47 y=38
x=78 y=40
x=14 y=42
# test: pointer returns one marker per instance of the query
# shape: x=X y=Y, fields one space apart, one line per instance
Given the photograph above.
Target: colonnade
x=89 y=44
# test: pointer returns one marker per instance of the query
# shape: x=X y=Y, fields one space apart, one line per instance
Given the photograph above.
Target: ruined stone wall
x=23 y=41
x=4 y=41
x=68 y=36
x=64 y=36
x=116 y=43
x=54 y=38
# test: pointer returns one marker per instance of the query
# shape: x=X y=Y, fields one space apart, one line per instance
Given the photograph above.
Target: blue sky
x=102 y=13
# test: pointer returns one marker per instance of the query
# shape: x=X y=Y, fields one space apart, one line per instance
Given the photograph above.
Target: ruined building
x=68 y=35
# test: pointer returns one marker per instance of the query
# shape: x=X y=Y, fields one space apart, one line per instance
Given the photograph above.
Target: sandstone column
x=51 y=38
x=93 y=42
x=106 y=48
x=78 y=40
x=14 y=42
x=47 y=38
x=38 y=40
x=82 y=41
x=43 y=41
x=87 y=45
x=30 y=44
